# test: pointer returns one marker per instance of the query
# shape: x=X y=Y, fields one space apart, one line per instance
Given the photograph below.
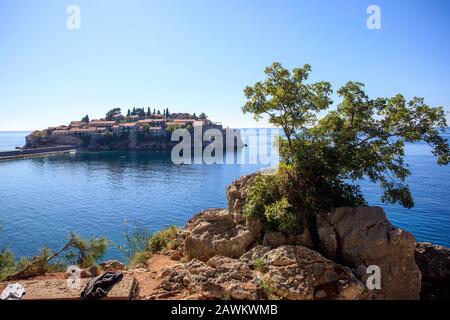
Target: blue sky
x=194 y=56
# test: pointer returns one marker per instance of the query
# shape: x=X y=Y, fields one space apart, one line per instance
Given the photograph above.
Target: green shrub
x=83 y=252
x=78 y=251
x=267 y=201
x=281 y=217
x=268 y=290
x=140 y=244
x=262 y=192
x=139 y=258
x=164 y=239
x=136 y=240
x=7 y=263
x=260 y=265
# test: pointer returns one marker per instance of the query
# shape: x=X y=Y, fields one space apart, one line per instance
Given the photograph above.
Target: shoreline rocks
x=434 y=264
x=360 y=237
x=290 y=272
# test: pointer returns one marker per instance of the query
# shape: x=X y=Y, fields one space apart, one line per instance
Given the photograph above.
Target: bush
x=260 y=265
x=164 y=239
x=140 y=244
x=85 y=253
x=78 y=251
x=7 y=263
x=136 y=240
x=262 y=192
x=140 y=257
x=281 y=216
x=267 y=200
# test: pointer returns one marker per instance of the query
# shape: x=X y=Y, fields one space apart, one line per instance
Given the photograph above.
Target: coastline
x=246 y=261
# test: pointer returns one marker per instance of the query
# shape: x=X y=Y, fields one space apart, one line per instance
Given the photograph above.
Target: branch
x=27 y=271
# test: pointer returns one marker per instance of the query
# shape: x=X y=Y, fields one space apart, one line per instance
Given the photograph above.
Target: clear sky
x=194 y=56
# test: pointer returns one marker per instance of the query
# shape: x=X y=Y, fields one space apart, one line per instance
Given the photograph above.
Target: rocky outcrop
x=218 y=232
x=434 y=264
x=236 y=193
x=360 y=237
x=356 y=238
x=290 y=272
x=42 y=139
x=298 y=273
x=220 y=277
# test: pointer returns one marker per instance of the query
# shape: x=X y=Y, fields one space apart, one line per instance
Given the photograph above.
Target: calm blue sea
x=42 y=199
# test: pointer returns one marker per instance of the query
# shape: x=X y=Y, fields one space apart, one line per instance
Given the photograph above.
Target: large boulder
x=434 y=264
x=298 y=273
x=218 y=232
x=361 y=237
x=236 y=192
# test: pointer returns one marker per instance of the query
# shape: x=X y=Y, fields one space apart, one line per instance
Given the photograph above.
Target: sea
x=96 y=194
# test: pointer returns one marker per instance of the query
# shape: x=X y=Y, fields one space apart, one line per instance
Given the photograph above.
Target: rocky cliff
x=228 y=256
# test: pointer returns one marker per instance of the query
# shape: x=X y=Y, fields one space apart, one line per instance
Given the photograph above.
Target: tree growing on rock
x=322 y=160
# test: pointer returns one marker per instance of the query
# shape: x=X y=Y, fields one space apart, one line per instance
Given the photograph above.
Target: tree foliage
x=112 y=112
x=7 y=263
x=364 y=138
x=85 y=119
x=83 y=252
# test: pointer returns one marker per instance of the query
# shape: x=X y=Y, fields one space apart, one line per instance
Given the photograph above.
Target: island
x=139 y=129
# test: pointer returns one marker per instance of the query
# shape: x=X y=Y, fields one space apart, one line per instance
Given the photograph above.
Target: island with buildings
x=139 y=129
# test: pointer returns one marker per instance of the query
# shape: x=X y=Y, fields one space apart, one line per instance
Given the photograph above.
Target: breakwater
x=24 y=153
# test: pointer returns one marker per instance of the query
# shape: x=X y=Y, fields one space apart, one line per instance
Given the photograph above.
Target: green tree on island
x=111 y=113
x=323 y=159
x=85 y=119
x=140 y=112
